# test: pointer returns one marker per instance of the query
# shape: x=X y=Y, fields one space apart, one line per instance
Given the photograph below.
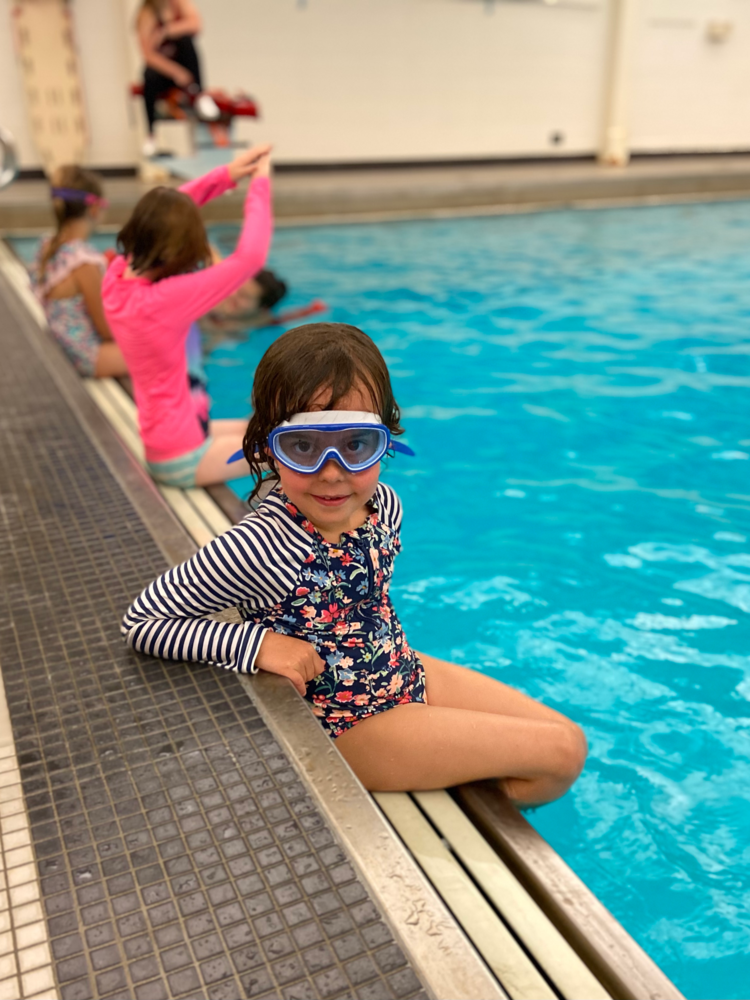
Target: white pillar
x=615 y=142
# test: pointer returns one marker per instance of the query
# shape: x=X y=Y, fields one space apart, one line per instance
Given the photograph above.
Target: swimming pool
x=577 y=520
x=576 y=387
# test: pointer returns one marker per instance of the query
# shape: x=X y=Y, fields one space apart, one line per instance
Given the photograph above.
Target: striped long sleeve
x=252 y=566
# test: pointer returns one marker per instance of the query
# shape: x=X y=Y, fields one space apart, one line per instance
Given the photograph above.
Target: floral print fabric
x=68 y=318
x=341 y=605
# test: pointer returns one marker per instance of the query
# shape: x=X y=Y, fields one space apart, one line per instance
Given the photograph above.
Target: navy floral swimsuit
x=342 y=606
x=282 y=575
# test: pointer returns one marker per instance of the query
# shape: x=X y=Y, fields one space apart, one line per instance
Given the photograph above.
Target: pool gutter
x=608 y=950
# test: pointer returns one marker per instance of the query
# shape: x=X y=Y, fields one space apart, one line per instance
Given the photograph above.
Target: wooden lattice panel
x=52 y=80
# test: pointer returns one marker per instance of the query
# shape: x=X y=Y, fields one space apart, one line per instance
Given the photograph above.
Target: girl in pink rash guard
x=157 y=288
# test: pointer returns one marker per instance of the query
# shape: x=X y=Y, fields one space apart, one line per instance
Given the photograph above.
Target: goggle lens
x=302 y=447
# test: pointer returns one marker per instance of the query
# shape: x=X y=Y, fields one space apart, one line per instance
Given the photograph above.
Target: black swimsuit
x=156 y=84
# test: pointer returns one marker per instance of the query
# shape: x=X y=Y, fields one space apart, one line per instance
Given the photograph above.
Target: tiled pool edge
x=25 y=960
x=443 y=940
x=140 y=774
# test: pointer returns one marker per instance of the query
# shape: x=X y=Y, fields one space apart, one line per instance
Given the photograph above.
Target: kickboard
x=48 y=59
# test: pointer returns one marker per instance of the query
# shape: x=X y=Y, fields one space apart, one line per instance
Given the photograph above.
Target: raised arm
x=211 y=185
x=169 y=620
x=222 y=179
x=188 y=296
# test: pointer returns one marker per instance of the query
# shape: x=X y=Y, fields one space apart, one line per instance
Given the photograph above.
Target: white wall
x=349 y=80
x=412 y=79
x=690 y=93
x=99 y=28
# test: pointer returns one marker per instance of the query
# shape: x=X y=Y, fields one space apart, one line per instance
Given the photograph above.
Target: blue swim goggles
x=306 y=441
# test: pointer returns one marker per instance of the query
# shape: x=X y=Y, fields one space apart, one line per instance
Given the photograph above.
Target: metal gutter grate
x=176 y=850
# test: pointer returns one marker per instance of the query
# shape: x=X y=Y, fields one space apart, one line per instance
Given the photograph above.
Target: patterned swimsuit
x=282 y=575
x=68 y=319
x=343 y=608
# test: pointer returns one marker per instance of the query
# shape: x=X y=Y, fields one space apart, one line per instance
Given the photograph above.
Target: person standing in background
x=153 y=293
x=166 y=30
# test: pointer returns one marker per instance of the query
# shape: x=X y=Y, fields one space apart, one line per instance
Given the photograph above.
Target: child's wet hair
x=272 y=288
x=333 y=357
x=165 y=235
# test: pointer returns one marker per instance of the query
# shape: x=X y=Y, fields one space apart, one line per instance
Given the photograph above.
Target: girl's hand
x=292 y=658
x=253 y=162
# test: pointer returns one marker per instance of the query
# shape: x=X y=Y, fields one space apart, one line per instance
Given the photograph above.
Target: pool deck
x=346 y=194
x=157 y=841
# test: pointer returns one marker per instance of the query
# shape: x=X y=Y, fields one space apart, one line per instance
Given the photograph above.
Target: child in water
x=153 y=293
x=66 y=276
x=309 y=572
x=249 y=308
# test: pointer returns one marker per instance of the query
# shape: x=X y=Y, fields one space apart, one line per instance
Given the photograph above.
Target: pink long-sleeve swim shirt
x=150 y=320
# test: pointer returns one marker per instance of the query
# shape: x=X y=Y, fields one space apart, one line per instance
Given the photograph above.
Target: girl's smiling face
x=332 y=498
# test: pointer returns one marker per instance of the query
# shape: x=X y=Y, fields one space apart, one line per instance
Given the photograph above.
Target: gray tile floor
x=177 y=850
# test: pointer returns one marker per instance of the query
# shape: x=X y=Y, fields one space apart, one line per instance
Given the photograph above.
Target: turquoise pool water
x=575 y=385
x=577 y=388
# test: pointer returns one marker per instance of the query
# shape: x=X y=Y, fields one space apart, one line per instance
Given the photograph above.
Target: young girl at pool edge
x=309 y=572
x=66 y=275
x=161 y=283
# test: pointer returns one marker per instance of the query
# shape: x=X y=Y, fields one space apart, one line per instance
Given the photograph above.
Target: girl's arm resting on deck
x=228 y=645
x=189 y=296
x=169 y=618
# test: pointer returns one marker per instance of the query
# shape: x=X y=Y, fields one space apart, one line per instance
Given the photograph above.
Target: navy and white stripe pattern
x=253 y=566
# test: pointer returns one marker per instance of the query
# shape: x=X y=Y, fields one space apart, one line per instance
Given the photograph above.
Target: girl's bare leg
x=226 y=438
x=472 y=728
x=452 y=686
x=109 y=362
x=221 y=428
x=213 y=467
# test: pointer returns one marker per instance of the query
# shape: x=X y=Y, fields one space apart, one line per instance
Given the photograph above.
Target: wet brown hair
x=165 y=235
x=331 y=356
x=74 y=178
